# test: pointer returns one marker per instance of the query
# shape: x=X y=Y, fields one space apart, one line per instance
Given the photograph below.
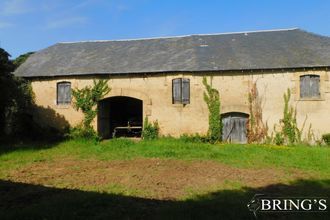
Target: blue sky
x=31 y=25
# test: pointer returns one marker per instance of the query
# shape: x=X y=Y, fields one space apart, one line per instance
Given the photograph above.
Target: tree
x=16 y=97
x=6 y=66
x=6 y=85
x=21 y=59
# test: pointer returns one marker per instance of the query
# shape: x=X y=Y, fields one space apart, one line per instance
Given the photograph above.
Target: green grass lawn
x=316 y=159
x=300 y=170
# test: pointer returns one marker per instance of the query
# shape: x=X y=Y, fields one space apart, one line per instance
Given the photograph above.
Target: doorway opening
x=120 y=116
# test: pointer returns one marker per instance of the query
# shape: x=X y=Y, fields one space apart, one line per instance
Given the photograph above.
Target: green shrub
x=150 y=130
x=289 y=129
x=196 y=138
x=80 y=132
x=289 y=132
x=279 y=139
x=326 y=139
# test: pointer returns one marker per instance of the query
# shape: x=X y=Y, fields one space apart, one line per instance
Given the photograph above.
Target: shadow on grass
x=7 y=146
x=41 y=129
x=27 y=201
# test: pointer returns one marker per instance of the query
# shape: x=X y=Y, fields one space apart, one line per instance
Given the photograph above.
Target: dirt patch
x=157 y=178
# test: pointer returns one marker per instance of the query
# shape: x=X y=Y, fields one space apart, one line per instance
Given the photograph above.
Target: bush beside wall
x=326 y=139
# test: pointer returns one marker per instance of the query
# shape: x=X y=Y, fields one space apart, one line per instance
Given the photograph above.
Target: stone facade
x=155 y=90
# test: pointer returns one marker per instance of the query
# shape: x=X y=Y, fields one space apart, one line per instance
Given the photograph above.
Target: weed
x=150 y=130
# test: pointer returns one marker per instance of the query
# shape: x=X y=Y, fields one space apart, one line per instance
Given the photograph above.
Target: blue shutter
x=315 y=86
x=185 y=91
x=176 y=91
x=307 y=86
x=60 y=94
x=67 y=94
x=303 y=87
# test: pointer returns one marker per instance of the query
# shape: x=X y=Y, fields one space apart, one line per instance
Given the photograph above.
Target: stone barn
x=162 y=78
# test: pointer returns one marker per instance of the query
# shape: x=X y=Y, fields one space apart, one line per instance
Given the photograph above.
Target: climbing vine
x=86 y=100
x=212 y=99
x=290 y=133
x=256 y=129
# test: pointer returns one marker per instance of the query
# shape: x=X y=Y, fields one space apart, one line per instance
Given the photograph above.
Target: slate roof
x=290 y=48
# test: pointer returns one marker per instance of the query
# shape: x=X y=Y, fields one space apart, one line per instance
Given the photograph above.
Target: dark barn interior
x=120 y=116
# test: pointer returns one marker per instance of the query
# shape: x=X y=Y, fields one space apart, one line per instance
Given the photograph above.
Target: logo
x=263 y=203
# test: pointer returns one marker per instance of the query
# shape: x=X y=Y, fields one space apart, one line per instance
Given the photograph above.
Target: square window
x=310 y=86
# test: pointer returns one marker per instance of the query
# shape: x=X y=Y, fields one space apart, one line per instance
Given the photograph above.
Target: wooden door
x=103 y=119
x=234 y=127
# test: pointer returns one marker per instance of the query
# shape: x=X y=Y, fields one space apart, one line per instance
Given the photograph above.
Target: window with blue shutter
x=176 y=91
x=181 y=91
x=185 y=91
x=63 y=93
x=310 y=86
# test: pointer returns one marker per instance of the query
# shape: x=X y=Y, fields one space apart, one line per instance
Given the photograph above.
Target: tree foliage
x=6 y=81
x=212 y=99
x=16 y=98
x=86 y=100
x=21 y=59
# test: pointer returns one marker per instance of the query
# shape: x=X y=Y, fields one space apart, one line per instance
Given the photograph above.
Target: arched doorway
x=234 y=127
x=120 y=116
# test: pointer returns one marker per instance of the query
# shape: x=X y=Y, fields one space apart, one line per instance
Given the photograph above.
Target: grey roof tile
x=291 y=48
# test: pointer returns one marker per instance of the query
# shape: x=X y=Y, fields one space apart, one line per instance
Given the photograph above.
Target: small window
x=181 y=91
x=310 y=86
x=63 y=93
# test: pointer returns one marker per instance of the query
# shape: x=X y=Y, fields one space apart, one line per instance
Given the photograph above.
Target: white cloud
x=15 y=7
x=4 y=24
x=66 y=22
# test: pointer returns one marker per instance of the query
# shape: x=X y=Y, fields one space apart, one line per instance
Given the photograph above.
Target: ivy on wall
x=86 y=100
x=212 y=99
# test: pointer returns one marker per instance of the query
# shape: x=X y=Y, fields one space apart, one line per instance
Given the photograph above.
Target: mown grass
x=30 y=201
x=314 y=159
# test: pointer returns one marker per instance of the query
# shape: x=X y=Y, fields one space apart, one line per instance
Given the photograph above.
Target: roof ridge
x=246 y=32
x=179 y=36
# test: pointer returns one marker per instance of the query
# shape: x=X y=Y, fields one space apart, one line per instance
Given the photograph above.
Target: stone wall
x=155 y=90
